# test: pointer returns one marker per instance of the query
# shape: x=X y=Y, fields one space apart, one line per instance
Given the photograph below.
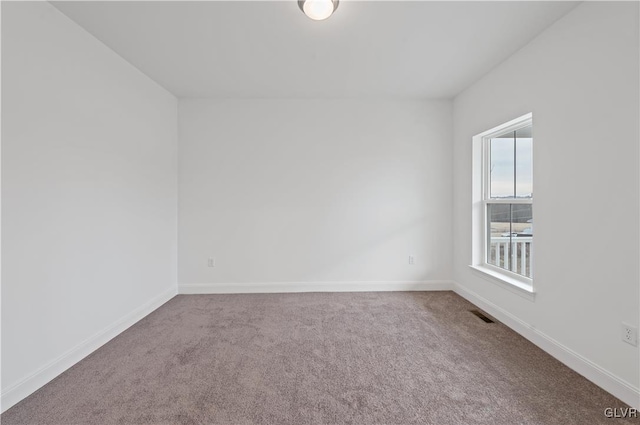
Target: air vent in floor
x=481 y=316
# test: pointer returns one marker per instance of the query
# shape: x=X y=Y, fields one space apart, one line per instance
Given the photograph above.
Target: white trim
x=55 y=367
x=514 y=124
x=507 y=201
x=604 y=379
x=282 y=287
x=513 y=285
x=522 y=285
x=585 y=367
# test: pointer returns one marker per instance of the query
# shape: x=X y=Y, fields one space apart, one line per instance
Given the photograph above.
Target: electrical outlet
x=411 y=260
x=211 y=262
x=630 y=334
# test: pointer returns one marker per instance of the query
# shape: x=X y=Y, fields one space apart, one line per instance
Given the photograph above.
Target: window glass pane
x=499 y=234
x=522 y=242
x=524 y=162
x=501 y=166
x=510 y=237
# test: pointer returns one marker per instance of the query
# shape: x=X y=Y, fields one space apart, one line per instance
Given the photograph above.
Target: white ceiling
x=262 y=49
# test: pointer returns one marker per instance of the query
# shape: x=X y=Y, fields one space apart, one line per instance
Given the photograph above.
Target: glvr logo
x=621 y=412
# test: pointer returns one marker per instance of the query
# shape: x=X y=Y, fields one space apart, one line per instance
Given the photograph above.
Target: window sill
x=514 y=285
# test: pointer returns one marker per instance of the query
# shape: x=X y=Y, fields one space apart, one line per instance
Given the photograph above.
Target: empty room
x=320 y=212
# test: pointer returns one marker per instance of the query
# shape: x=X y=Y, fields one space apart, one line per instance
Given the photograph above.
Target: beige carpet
x=342 y=358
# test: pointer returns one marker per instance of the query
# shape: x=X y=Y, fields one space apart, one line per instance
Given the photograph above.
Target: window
x=503 y=203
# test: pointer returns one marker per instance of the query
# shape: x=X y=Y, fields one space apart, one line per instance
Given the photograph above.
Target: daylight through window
x=508 y=199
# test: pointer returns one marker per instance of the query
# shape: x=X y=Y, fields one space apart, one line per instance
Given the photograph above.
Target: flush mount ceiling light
x=318 y=10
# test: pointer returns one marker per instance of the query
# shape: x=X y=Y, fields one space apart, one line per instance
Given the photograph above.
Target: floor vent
x=481 y=316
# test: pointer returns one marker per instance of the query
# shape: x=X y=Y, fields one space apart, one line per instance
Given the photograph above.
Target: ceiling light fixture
x=318 y=10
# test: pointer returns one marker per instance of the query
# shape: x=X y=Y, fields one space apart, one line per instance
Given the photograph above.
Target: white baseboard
x=282 y=287
x=604 y=379
x=596 y=374
x=55 y=367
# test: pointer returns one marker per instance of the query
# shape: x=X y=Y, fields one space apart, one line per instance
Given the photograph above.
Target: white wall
x=88 y=195
x=302 y=191
x=580 y=80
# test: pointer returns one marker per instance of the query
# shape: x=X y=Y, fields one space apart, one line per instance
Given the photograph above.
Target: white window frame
x=514 y=282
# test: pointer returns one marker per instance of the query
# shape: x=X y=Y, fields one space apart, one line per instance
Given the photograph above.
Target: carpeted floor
x=317 y=358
